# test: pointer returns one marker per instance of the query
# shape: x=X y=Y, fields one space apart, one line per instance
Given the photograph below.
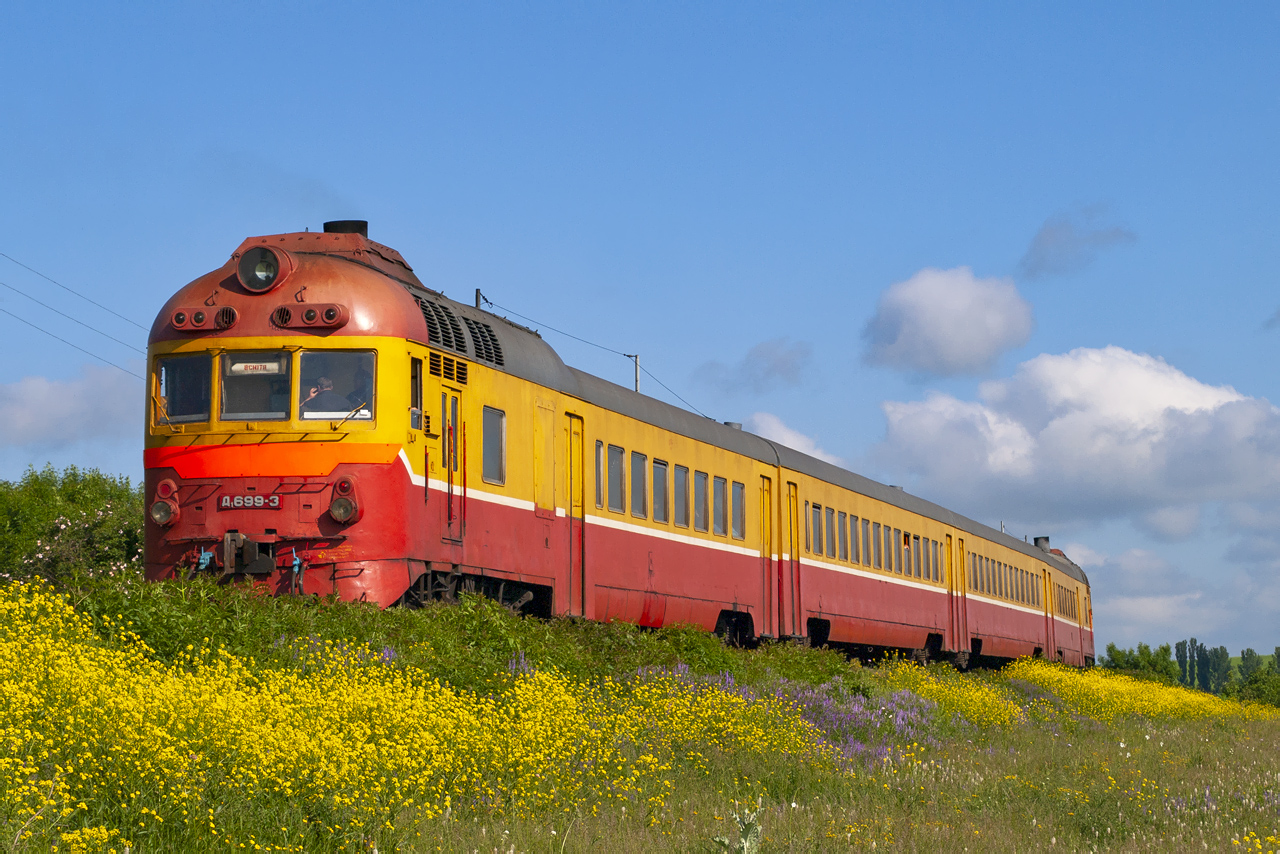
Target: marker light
x=164 y=512
x=343 y=509
x=166 y=488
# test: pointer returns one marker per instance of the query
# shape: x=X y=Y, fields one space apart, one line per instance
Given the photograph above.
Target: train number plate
x=264 y=502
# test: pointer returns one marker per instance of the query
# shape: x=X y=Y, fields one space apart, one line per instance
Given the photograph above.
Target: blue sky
x=1016 y=257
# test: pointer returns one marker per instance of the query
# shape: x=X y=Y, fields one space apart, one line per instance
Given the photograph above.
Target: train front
x=277 y=415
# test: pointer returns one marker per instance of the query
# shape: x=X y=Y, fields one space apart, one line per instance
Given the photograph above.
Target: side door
x=575 y=461
x=789 y=578
x=453 y=458
x=768 y=610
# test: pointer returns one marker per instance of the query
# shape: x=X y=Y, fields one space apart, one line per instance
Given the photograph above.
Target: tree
x=1250 y=663
x=1181 y=647
x=1219 y=669
x=1143 y=663
x=1192 y=649
x=1202 y=666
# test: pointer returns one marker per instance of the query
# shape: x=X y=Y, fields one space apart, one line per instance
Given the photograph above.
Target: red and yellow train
x=322 y=422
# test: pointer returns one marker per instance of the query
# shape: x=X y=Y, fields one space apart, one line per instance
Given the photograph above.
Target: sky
x=1017 y=258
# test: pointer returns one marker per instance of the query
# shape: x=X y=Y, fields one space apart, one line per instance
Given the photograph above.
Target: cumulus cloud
x=771 y=427
x=1088 y=435
x=1069 y=242
x=946 y=323
x=40 y=413
x=768 y=365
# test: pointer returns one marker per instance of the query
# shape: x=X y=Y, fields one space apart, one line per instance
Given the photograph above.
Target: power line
x=72 y=291
x=69 y=344
x=72 y=319
x=601 y=347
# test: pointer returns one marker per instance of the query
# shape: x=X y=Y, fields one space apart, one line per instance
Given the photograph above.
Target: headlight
x=164 y=512
x=260 y=270
x=343 y=509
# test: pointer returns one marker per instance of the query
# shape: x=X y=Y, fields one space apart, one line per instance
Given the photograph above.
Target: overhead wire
x=73 y=291
x=636 y=358
x=69 y=344
x=72 y=319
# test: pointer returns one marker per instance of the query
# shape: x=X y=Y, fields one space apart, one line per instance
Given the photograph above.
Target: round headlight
x=163 y=512
x=198 y=318
x=342 y=509
x=179 y=318
x=330 y=315
x=309 y=316
x=259 y=269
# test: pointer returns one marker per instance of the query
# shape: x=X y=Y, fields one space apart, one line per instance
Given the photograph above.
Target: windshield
x=183 y=383
x=336 y=384
x=255 y=386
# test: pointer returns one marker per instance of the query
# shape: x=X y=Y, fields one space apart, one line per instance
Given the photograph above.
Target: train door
x=789 y=578
x=544 y=460
x=1050 y=630
x=453 y=448
x=577 y=534
x=956 y=593
x=766 y=554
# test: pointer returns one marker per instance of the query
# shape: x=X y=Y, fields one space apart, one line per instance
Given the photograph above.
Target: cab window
x=336 y=385
x=255 y=386
x=183 y=389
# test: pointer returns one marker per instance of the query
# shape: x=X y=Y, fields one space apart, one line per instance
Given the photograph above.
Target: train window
x=875 y=538
x=928 y=560
x=844 y=537
x=739 y=511
x=831 y=532
x=659 y=491
x=415 y=394
x=494 y=436
x=807 y=528
x=866 y=542
x=897 y=551
x=700 y=501
x=915 y=547
x=817 y=529
x=682 y=496
x=937 y=566
x=720 y=504
x=183 y=389
x=255 y=387
x=336 y=385
x=617 y=480
x=599 y=473
x=639 y=485
x=854 y=553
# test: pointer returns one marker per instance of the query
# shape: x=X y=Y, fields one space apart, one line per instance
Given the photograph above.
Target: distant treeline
x=1191 y=663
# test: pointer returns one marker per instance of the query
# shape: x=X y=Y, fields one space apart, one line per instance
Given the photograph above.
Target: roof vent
x=1042 y=543
x=736 y=425
x=347 y=226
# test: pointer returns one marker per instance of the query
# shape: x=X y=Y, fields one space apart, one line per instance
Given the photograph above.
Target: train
x=321 y=422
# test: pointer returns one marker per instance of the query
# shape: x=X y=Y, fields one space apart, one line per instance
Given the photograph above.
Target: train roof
x=523 y=353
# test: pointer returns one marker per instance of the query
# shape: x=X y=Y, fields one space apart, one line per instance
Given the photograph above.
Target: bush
x=1155 y=666
x=70 y=526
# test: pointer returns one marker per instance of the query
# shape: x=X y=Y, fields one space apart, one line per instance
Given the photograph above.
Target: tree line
x=1194 y=665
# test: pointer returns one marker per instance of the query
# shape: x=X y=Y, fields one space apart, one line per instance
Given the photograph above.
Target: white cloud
x=1090 y=434
x=1069 y=242
x=946 y=322
x=771 y=427
x=40 y=413
x=766 y=366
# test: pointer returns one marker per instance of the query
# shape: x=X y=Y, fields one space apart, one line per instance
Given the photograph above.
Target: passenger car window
x=495 y=445
x=639 y=484
x=255 y=386
x=739 y=511
x=659 y=491
x=720 y=500
x=682 y=496
x=700 y=501
x=617 y=478
x=183 y=388
x=336 y=384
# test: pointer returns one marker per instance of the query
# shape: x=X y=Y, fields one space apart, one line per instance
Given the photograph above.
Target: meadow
x=198 y=717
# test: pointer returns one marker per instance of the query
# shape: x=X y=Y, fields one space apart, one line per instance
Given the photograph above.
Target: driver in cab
x=323 y=398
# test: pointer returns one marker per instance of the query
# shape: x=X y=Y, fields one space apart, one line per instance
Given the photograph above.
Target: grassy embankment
x=200 y=718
